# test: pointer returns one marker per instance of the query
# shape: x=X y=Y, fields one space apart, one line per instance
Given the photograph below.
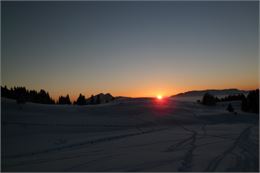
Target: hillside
x=215 y=92
x=128 y=135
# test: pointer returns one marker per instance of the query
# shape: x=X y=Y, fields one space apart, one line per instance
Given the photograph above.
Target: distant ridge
x=215 y=92
x=100 y=98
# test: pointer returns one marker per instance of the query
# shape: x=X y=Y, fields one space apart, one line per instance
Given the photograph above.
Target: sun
x=159 y=97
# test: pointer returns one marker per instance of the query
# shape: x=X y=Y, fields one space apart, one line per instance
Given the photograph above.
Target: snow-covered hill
x=200 y=93
x=128 y=135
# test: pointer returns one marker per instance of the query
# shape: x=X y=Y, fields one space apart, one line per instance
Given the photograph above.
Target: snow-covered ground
x=128 y=135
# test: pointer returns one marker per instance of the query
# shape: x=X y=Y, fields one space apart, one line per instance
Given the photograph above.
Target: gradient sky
x=129 y=48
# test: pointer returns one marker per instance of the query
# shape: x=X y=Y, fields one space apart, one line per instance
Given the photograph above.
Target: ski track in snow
x=246 y=154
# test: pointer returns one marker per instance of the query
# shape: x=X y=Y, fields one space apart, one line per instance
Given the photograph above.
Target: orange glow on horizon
x=166 y=92
x=152 y=90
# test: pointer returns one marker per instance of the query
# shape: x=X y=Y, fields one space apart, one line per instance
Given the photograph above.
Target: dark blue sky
x=129 y=48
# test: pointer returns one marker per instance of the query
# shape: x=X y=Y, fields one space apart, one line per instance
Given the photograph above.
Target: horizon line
x=170 y=95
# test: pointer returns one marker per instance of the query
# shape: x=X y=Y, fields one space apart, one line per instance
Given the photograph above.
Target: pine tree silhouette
x=208 y=99
x=230 y=108
x=81 y=100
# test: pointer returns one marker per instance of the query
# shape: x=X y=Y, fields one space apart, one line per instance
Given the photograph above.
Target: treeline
x=22 y=95
x=82 y=100
x=249 y=103
x=232 y=98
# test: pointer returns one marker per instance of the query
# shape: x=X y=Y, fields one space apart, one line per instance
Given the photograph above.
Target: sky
x=136 y=49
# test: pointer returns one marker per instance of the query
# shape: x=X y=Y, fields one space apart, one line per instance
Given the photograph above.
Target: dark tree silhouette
x=68 y=99
x=230 y=108
x=44 y=97
x=61 y=100
x=100 y=98
x=92 y=100
x=208 y=99
x=251 y=103
x=98 y=101
x=5 y=92
x=34 y=97
x=22 y=95
x=244 y=106
x=81 y=100
x=232 y=98
x=64 y=100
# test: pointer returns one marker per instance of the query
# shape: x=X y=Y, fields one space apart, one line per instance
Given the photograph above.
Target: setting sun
x=159 y=97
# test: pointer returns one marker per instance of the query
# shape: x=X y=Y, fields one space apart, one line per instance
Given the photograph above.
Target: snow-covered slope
x=128 y=135
x=198 y=94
